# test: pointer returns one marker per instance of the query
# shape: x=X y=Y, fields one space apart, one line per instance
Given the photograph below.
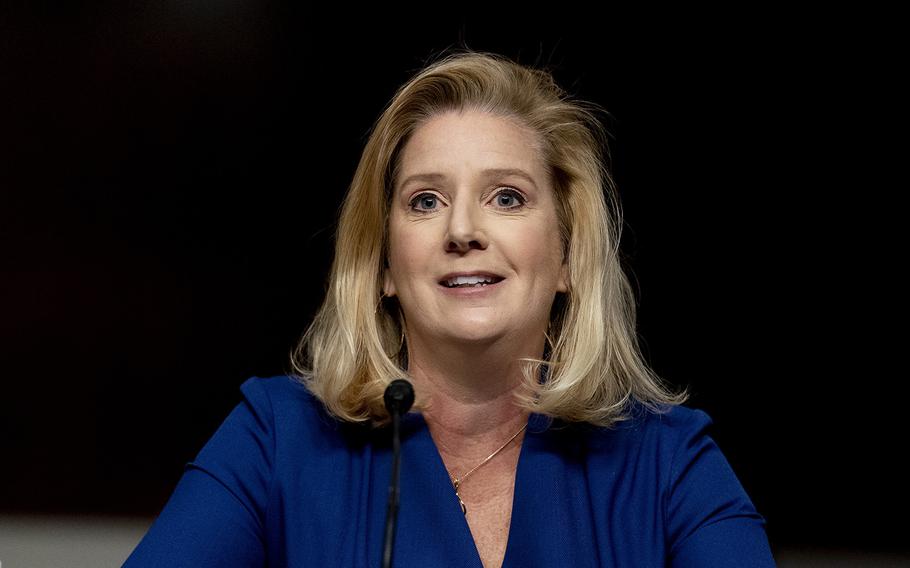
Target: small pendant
x=456 y=483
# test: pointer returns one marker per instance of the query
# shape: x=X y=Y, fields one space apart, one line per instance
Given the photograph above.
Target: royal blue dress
x=281 y=483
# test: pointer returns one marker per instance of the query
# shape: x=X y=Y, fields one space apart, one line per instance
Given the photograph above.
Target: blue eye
x=509 y=199
x=428 y=202
x=425 y=201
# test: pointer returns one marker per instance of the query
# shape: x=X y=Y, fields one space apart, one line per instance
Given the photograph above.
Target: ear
x=388 y=286
x=563 y=284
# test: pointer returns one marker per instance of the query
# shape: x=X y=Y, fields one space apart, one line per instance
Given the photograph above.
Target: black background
x=170 y=183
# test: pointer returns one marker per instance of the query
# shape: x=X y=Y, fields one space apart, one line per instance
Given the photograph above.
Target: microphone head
x=399 y=396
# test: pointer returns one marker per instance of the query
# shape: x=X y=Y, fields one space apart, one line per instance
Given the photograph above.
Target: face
x=473 y=200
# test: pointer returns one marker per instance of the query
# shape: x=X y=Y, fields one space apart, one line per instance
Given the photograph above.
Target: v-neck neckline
x=452 y=514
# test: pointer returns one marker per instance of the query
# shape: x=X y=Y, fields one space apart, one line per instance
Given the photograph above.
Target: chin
x=475 y=335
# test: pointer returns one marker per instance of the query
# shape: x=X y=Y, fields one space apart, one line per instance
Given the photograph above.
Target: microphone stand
x=398 y=398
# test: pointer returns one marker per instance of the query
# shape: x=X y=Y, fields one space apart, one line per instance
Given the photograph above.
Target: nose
x=465 y=230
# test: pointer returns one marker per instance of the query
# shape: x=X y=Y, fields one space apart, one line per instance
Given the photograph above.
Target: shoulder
x=663 y=430
x=706 y=510
x=676 y=433
x=267 y=407
x=294 y=416
x=275 y=390
x=285 y=398
x=277 y=387
x=649 y=444
x=670 y=420
x=675 y=425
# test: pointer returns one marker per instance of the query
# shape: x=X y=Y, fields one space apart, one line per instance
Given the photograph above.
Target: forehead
x=469 y=143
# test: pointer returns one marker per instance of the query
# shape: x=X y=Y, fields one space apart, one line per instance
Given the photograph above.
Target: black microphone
x=398 y=397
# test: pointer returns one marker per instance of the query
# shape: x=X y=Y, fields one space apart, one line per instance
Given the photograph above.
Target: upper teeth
x=458 y=280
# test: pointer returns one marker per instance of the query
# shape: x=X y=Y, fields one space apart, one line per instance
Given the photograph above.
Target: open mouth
x=471 y=281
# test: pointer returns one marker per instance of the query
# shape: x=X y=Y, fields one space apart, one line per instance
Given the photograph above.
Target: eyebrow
x=488 y=173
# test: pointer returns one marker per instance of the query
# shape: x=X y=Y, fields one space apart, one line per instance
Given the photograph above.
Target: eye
x=423 y=203
x=509 y=199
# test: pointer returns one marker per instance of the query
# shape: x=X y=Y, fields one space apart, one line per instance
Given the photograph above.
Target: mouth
x=470 y=280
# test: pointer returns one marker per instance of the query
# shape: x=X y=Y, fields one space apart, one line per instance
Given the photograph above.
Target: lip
x=471 y=291
x=451 y=275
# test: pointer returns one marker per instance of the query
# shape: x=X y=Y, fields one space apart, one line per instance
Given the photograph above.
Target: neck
x=469 y=393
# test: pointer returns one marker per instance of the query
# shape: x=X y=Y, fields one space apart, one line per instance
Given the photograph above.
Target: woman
x=477 y=256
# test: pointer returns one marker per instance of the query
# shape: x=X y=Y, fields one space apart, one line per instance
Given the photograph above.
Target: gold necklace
x=457 y=481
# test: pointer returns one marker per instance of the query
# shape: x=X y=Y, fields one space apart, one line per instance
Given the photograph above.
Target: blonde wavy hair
x=592 y=367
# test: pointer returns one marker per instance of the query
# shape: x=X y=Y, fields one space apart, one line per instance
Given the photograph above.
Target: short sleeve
x=711 y=520
x=216 y=513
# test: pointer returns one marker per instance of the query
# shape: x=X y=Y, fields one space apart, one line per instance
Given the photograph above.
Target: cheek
x=542 y=247
x=407 y=251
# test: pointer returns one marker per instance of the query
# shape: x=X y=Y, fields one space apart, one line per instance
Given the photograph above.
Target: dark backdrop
x=170 y=188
